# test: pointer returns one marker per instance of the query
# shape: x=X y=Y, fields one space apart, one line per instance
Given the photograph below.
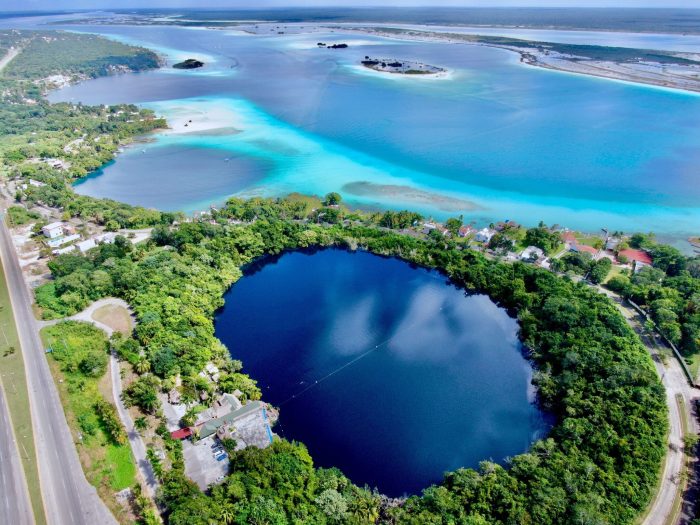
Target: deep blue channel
x=415 y=377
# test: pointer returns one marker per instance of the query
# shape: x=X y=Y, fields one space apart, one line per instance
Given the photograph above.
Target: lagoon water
x=414 y=377
x=494 y=140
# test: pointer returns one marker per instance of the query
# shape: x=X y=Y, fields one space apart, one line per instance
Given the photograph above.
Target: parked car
x=221 y=457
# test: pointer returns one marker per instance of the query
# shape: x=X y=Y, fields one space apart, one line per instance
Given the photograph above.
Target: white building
x=532 y=253
x=53 y=230
x=484 y=235
x=86 y=245
x=55 y=242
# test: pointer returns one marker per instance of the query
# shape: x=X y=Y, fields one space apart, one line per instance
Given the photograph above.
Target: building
x=484 y=235
x=55 y=242
x=181 y=433
x=584 y=248
x=532 y=254
x=223 y=424
x=637 y=258
x=465 y=231
x=86 y=245
x=611 y=243
x=53 y=230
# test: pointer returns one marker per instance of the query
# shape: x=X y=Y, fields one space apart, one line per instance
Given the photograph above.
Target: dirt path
x=11 y=54
x=138 y=447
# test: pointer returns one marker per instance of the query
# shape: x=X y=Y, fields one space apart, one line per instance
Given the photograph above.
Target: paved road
x=675 y=382
x=14 y=497
x=68 y=497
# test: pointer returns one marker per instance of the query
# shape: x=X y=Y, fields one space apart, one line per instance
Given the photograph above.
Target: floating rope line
x=346 y=365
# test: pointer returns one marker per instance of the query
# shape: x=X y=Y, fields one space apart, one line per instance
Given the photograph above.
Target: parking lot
x=201 y=465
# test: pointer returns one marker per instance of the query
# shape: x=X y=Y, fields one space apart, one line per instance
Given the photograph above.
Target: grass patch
x=14 y=382
x=124 y=473
x=693 y=362
x=79 y=363
x=116 y=317
x=19 y=215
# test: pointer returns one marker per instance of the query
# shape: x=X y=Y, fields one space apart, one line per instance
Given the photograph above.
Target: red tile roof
x=636 y=255
x=586 y=248
x=182 y=433
x=569 y=237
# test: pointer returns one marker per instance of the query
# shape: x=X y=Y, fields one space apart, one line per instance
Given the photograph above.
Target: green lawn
x=14 y=383
x=108 y=466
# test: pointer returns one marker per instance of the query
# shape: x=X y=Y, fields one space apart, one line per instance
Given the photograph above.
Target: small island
x=332 y=46
x=190 y=63
x=402 y=67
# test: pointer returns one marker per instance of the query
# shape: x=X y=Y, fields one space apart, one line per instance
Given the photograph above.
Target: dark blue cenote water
x=383 y=370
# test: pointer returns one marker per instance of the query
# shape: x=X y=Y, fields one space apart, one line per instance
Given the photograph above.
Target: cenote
x=382 y=369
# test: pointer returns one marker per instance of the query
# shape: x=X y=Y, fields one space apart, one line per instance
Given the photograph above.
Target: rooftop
x=636 y=255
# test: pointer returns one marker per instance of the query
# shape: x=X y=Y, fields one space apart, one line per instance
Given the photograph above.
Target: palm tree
x=227 y=513
x=143 y=365
x=141 y=424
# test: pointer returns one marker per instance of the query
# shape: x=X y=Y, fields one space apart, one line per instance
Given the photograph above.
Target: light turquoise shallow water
x=494 y=140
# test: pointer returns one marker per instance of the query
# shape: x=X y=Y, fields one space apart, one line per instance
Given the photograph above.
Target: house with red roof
x=637 y=258
x=584 y=248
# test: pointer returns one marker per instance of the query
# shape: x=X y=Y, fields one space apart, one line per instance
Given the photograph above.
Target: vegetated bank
x=599 y=464
x=56 y=144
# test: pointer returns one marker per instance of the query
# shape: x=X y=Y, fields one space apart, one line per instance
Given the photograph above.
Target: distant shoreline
x=686 y=76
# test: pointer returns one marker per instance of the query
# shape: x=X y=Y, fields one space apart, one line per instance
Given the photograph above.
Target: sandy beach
x=199 y=116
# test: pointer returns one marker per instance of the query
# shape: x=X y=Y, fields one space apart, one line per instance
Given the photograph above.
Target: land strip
x=138 y=447
x=68 y=497
x=643 y=66
x=17 y=424
x=15 y=506
x=12 y=53
x=664 y=507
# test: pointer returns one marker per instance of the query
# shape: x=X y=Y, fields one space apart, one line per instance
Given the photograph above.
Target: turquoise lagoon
x=493 y=140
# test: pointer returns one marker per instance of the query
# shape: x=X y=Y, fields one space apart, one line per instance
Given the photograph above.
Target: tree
x=142 y=365
x=332 y=199
x=544 y=239
x=453 y=225
x=94 y=364
x=141 y=423
x=143 y=393
x=600 y=270
x=164 y=362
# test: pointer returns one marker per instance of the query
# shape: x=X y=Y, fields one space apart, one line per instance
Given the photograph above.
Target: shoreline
x=654 y=75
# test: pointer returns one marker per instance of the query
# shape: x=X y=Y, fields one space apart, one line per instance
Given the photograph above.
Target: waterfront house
x=584 y=248
x=223 y=423
x=532 y=254
x=484 y=235
x=637 y=258
x=465 y=231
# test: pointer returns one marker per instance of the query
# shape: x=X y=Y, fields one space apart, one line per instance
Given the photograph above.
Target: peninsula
x=668 y=69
